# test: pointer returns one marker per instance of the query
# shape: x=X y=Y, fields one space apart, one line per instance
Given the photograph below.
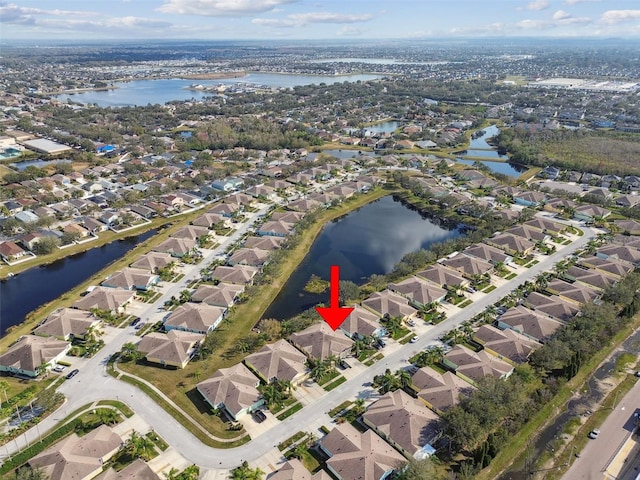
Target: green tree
x=244 y=472
x=29 y=473
x=45 y=245
x=5 y=387
x=139 y=446
x=130 y=351
x=423 y=469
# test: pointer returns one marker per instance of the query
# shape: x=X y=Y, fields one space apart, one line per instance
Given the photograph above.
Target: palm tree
x=404 y=378
x=357 y=347
x=386 y=382
x=130 y=351
x=185 y=296
x=139 y=446
x=244 y=472
x=107 y=416
x=272 y=395
x=319 y=369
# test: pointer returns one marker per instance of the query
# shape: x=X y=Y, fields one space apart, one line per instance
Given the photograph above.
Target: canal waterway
x=144 y=92
x=29 y=290
x=369 y=240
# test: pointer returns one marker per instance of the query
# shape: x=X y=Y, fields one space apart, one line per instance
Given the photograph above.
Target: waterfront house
x=233 y=390
x=195 y=317
x=174 y=348
x=221 y=295
x=362 y=323
x=467 y=265
x=320 y=341
x=108 y=299
x=405 y=422
x=527 y=322
x=512 y=244
x=388 y=303
x=264 y=243
x=278 y=361
x=419 y=292
x=356 y=455
x=275 y=228
x=153 y=261
x=77 y=457
x=238 y=274
x=31 y=353
x=131 y=279
x=249 y=256
x=67 y=324
x=440 y=391
x=507 y=344
x=177 y=247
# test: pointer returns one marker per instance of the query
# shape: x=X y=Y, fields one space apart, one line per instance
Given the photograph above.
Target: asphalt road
x=596 y=456
x=93 y=383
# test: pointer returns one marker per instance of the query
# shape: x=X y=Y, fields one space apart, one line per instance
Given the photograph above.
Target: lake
x=385 y=127
x=479 y=147
x=369 y=240
x=30 y=289
x=21 y=166
x=505 y=168
x=144 y=92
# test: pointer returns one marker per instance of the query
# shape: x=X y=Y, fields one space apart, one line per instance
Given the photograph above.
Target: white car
x=593 y=434
x=59 y=368
x=413 y=340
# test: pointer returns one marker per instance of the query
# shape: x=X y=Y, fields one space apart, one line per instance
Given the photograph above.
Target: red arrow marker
x=334 y=315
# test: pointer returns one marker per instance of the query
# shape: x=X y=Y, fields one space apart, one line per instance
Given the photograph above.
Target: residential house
x=264 y=243
x=528 y=323
x=475 y=365
x=512 y=244
x=263 y=191
x=389 y=303
x=209 y=220
x=278 y=361
x=489 y=254
x=76 y=229
x=343 y=190
x=275 y=228
x=467 y=265
x=354 y=455
x=174 y=348
x=609 y=266
x=622 y=253
x=177 y=247
x=26 y=216
x=137 y=470
x=590 y=213
x=440 y=391
x=191 y=232
x=419 y=292
x=67 y=324
x=30 y=240
x=629 y=227
x=93 y=225
x=195 y=317
x=153 y=261
x=529 y=233
x=441 y=275
x=110 y=217
x=577 y=293
x=530 y=199
x=545 y=225
x=627 y=240
x=507 y=344
x=628 y=200
x=238 y=274
x=112 y=300
x=131 y=279
x=303 y=205
x=288 y=217
x=233 y=390
x=320 y=341
x=227 y=210
x=294 y=470
x=75 y=457
x=249 y=256
x=221 y=295
x=552 y=306
x=31 y=353
x=362 y=323
x=405 y=422
x=592 y=278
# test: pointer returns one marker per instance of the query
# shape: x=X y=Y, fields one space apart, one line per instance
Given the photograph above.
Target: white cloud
x=12 y=13
x=561 y=15
x=611 y=17
x=349 y=31
x=537 y=5
x=220 y=8
x=575 y=2
x=300 y=19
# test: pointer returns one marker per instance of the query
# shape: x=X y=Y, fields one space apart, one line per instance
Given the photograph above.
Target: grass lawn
x=290 y=411
x=4 y=170
x=282 y=446
x=335 y=411
x=511 y=276
x=490 y=288
x=124 y=409
x=334 y=384
x=400 y=333
x=465 y=303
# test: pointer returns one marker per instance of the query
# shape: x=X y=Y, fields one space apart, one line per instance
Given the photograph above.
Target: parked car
x=135 y=321
x=140 y=325
x=343 y=364
x=59 y=368
x=411 y=323
x=593 y=434
x=72 y=373
x=259 y=416
x=413 y=339
x=381 y=343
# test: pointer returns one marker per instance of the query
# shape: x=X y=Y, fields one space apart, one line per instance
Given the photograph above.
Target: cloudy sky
x=315 y=19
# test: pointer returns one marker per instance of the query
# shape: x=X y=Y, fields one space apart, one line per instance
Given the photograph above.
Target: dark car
x=72 y=373
x=381 y=343
x=259 y=416
x=343 y=364
x=140 y=325
x=135 y=321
